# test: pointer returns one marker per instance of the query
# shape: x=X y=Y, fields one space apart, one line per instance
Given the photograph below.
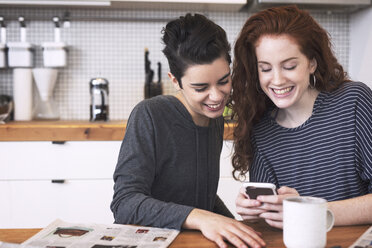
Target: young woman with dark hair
x=301 y=123
x=168 y=168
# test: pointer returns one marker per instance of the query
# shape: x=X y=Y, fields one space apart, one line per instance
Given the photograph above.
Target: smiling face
x=205 y=90
x=284 y=71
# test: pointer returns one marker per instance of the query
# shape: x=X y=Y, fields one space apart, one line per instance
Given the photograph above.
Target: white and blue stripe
x=329 y=156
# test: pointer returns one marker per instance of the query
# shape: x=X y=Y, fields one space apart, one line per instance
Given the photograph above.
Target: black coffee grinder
x=99 y=108
x=151 y=88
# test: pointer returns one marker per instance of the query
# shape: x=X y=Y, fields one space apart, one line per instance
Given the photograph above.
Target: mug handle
x=330 y=220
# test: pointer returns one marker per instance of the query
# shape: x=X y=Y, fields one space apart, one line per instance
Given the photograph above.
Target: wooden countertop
x=342 y=236
x=70 y=131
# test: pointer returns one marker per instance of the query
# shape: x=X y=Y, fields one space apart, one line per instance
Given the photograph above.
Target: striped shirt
x=328 y=156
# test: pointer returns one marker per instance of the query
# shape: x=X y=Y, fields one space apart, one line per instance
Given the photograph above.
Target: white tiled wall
x=110 y=43
x=360 y=63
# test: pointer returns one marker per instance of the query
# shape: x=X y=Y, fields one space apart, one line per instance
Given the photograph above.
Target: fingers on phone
x=249 y=211
x=274 y=216
x=287 y=190
x=242 y=192
x=277 y=224
x=247 y=203
x=274 y=199
x=271 y=207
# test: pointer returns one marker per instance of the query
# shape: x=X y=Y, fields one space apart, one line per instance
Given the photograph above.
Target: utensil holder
x=20 y=54
x=54 y=54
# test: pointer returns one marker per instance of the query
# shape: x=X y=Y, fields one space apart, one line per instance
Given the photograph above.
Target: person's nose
x=278 y=77
x=215 y=94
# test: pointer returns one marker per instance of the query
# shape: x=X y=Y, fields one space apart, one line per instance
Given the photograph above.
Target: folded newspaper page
x=364 y=241
x=60 y=234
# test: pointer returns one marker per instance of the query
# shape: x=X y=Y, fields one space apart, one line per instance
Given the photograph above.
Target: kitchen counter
x=71 y=131
x=339 y=236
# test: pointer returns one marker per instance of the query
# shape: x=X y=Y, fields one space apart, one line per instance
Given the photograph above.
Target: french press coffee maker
x=99 y=108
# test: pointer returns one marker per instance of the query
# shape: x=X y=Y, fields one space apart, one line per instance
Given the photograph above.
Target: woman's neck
x=299 y=113
x=198 y=119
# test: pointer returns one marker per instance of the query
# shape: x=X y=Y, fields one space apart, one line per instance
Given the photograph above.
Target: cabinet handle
x=58 y=180
x=58 y=142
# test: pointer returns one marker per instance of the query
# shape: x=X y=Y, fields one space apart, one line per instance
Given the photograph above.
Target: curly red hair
x=249 y=102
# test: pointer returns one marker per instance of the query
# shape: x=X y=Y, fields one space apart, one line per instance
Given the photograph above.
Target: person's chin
x=214 y=115
x=283 y=102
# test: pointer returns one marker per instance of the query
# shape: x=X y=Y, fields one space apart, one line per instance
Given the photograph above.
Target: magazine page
x=60 y=234
x=364 y=241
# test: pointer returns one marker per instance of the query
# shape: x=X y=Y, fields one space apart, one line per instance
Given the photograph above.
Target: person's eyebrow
x=264 y=62
x=225 y=76
x=205 y=84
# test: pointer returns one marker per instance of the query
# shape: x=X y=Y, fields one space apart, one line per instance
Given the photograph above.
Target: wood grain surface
x=342 y=236
x=70 y=131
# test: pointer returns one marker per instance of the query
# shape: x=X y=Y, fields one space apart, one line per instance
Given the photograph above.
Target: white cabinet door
x=34 y=204
x=44 y=160
x=29 y=198
x=228 y=187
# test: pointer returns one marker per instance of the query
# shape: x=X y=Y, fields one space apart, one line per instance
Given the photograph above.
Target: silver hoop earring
x=312 y=85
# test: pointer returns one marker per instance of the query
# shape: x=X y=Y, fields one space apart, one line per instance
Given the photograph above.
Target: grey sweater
x=167 y=166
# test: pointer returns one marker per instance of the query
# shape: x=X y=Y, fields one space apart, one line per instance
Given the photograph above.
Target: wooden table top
x=338 y=237
x=72 y=131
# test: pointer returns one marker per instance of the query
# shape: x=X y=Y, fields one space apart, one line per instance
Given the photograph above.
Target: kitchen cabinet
x=36 y=203
x=41 y=181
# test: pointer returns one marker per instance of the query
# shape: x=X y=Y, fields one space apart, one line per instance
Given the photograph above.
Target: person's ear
x=313 y=65
x=174 y=81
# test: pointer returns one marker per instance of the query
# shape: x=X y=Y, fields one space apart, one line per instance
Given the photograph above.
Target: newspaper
x=60 y=234
x=364 y=241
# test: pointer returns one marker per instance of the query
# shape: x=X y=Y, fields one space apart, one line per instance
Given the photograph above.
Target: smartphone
x=255 y=189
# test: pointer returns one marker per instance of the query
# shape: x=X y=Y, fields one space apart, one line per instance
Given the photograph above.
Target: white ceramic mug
x=306 y=221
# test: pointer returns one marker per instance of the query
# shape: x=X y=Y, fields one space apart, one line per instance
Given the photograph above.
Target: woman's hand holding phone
x=247 y=205
x=268 y=207
x=248 y=208
x=273 y=204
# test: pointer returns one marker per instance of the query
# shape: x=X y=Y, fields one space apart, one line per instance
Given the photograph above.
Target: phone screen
x=253 y=192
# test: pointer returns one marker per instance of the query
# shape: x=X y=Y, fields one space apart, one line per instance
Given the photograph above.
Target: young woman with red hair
x=301 y=123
